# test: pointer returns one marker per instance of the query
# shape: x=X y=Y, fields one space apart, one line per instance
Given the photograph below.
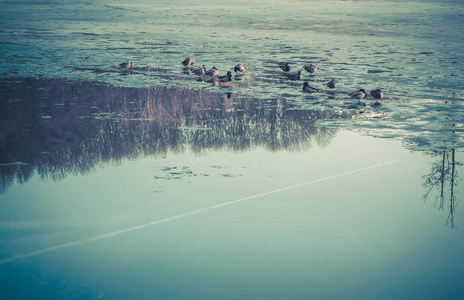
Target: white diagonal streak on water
x=190 y=213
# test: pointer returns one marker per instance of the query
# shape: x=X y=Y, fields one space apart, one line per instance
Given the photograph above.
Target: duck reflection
x=53 y=127
x=442 y=176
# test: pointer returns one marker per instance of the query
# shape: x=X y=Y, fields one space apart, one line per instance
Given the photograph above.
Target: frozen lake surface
x=150 y=184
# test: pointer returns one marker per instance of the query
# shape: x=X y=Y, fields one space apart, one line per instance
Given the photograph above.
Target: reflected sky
x=118 y=193
x=368 y=229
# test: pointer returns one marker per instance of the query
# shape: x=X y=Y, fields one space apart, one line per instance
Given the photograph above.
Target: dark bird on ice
x=310 y=88
x=285 y=67
x=332 y=84
x=310 y=68
x=212 y=72
x=199 y=71
x=239 y=68
x=226 y=78
x=188 y=61
x=296 y=76
x=360 y=94
x=377 y=94
x=127 y=65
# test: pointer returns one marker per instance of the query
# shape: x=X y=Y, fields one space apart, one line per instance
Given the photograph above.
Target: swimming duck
x=127 y=65
x=226 y=78
x=309 y=88
x=285 y=67
x=199 y=71
x=239 y=68
x=188 y=61
x=377 y=94
x=214 y=82
x=310 y=68
x=206 y=78
x=212 y=72
x=360 y=94
x=332 y=84
x=296 y=76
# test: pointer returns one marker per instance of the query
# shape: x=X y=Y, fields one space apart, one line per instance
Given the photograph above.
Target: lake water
x=150 y=184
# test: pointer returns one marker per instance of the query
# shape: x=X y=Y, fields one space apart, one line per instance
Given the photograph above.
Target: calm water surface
x=149 y=184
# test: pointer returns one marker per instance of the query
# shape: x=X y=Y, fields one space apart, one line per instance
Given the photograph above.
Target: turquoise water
x=160 y=193
x=150 y=184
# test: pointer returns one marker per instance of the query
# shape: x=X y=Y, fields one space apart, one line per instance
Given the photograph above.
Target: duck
x=310 y=68
x=310 y=88
x=127 y=65
x=360 y=94
x=296 y=76
x=239 y=68
x=332 y=84
x=226 y=78
x=206 y=78
x=285 y=67
x=212 y=72
x=199 y=71
x=188 y=61
x=216 y=82
x=377 y=94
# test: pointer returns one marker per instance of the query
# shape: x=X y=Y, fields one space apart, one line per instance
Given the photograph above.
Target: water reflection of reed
x=56 y=128
x=443 y=175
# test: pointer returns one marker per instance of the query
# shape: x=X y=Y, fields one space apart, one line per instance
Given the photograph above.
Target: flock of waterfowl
x=211 y=76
